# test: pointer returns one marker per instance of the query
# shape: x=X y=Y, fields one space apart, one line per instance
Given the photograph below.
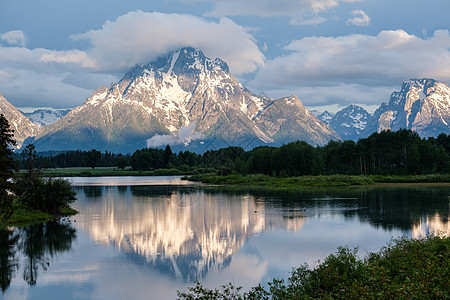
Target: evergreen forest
x=400 y=152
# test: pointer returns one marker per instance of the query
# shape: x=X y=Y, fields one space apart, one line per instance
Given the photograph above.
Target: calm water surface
x=147 y=237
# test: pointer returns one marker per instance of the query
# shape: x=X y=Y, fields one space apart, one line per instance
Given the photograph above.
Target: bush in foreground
x=404 y=269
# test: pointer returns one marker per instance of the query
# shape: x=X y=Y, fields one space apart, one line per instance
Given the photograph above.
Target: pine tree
x=7 y=166
x=167 y=154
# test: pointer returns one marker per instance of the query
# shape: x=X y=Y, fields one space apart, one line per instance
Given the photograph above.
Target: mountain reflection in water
x=186 y=232
x=183 y=232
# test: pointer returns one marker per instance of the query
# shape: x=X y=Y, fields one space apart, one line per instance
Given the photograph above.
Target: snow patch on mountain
x=350 y=122
x=46 y=116
x=326 y=117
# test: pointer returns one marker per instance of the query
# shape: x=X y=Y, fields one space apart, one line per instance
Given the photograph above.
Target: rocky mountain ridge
x=192 y=102
x=422 y=105
x=22 y=126
x=186 y=97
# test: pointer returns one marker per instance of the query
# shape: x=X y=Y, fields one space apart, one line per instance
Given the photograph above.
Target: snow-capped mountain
x=326 y=117
x=46 y=116
x=422 y=105
x=21 y=125
x=183 y=97
x=350 y=122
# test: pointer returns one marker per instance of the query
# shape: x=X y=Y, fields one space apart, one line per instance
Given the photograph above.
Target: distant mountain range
x=422 y=105
x=349 y=123
x=46 y=116
x=193 y=102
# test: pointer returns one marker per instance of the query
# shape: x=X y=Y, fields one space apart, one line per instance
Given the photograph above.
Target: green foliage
x=92 y=158
x=121 y=162
x=45 y=194
x=24 y=214
x=405 y=269
x=7 y=167
x=269 y=181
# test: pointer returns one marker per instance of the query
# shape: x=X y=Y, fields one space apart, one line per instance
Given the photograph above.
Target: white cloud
x=268 y=8
x=71 y=56
x=387 y=59
x=184 y=136
x=14 y=38
x=42 y=77
x=359 y=18
x=34 y=77
x=313 y=21
x=140 y=37
x=373 y=60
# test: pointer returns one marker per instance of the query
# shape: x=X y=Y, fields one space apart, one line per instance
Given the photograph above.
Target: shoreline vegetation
x=406 y=268
x=24 y=215
x=29 y=197
x=318 y=181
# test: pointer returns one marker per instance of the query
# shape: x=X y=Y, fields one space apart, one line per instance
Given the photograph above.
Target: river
x=147 y=237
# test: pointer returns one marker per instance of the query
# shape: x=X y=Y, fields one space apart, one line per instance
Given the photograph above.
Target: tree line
x=400 y=152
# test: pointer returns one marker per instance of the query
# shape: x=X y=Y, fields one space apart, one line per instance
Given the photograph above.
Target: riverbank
x=404 y=269
x=113 y=171
x=24 y=215
x=259 y=180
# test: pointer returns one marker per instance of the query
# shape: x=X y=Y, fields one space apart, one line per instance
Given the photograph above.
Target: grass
x=24 y=215
x=107 y=171
x=404 y=269
x=113 y=171
x=259 y=180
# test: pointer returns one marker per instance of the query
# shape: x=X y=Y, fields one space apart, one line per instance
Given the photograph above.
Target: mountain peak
x=422 y=105
x=326 y=117
x=181 y=96
x=186 y=60
x=350 y=122
x=21 y=125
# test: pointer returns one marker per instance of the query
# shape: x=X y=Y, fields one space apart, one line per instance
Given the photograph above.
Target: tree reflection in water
x=38 y=244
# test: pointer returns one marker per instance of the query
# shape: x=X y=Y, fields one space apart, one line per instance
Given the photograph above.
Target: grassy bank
x=313 y=181
x=112 y=171
x=404 y=269
x=106 y=171
x=24 y=215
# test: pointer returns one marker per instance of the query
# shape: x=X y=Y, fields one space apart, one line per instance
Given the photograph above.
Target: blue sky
x=330 y=53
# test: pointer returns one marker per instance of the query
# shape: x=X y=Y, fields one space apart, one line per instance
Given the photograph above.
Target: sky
x=330 y=53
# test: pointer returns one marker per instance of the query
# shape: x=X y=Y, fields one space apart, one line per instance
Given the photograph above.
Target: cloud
x=370 y=60
x=386 y=59
x=4 y=76
x=359 y=18
x=14 y=38
x=71 y=56
x=266 y=8
x=184 y=136
x=313 y=21
x=42 y=77
x=140 y=37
